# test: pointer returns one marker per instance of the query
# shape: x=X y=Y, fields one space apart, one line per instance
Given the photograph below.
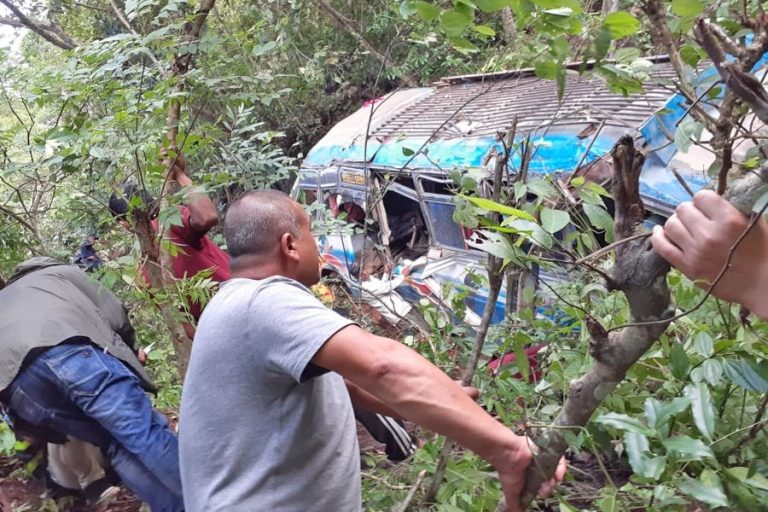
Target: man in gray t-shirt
x=266 y=420
x=252 y=394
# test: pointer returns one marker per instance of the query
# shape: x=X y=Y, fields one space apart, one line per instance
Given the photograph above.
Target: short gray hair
x=256 y=221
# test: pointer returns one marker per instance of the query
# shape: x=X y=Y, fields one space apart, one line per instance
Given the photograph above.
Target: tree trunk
x=159 y=262
x=508 y=25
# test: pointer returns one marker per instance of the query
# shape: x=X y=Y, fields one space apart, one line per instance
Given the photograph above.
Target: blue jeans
x=78 y=390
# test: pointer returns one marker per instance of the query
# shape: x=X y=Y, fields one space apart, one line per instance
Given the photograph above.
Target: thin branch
x=348 y=25
x=124 y=21
x=608 y=248
x=18 y=218
x=411 y=492
x=55 y=37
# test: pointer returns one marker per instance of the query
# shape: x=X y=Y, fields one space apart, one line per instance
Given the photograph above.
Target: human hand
x=179 y=168
x=513 y=470
x=142 y=357
x=471 y=391
x=697 y=240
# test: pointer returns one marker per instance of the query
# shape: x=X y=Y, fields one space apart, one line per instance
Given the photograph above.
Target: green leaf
x=495 y=244
x=98 y=152
x=712 y=371
x=484 y=30
x=692 y=54
x=542 y=189
x=707 y=492
x=263 y=49
x=608 y=503
x=454 y=22
x=492 y=206
x=521 y=358
x=638 y=455
x=636 y=446
x=678 y=361
x=425 y=10
x=692 y=448
x=757 y=480
x=623 y=422
x=703 y=344
x=553 y=221
x=462 y=44
x=492 y=5
x=532 y=231
x=408 y=151
x=547 y=69
x=621 y=24
x=702 y=409
x=658 y=413
x=600 y=219
x=687 y=132
x=687 y=8
x=744 y=375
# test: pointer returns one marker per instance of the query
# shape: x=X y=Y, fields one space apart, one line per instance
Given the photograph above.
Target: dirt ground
x=22 y=493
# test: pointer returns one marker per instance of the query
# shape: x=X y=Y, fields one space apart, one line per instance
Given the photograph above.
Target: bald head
x=256 y=221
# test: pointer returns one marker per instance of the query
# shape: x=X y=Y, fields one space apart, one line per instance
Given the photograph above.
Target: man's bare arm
x=417 y=390
x=202 y=212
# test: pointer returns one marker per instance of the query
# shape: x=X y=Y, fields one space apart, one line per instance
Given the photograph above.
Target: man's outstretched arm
x=417 y=390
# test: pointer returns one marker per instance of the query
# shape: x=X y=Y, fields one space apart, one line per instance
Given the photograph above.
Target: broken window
x=408 y=236
x=438 y=197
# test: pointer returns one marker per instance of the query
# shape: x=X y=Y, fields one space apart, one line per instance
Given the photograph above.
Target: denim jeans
x=81 y=391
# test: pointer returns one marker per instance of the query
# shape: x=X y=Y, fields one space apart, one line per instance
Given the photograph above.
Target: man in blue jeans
x=68 y=368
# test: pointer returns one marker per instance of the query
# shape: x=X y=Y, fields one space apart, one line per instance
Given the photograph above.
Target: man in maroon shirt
x=195 y=252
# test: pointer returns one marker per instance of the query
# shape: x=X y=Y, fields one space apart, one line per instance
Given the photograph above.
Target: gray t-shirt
x=261 y=428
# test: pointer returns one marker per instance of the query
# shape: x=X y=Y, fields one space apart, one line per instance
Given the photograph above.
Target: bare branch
x=748 y=88
x=46 y=31
x=124 y=21
x=18 y=218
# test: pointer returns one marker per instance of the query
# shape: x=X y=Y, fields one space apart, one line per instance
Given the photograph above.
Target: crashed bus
x=386 y=169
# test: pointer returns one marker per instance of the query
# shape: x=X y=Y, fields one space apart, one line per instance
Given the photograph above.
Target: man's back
x=46 y=303
x=261 y=427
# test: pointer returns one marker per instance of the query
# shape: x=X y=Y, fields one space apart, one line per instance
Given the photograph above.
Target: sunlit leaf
x=492 y=206
x=623 y=422
x=702 y=409
x=687 y=8
x=709 y=492
x=692 y=448
x=553 y=221
x=621 y=24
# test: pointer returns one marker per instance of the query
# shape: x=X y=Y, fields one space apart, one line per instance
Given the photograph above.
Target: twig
x=608 y=248
x=681 y=181
x=411 y=492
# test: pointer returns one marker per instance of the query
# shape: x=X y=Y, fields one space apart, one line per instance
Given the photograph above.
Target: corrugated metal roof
x=483 y=107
